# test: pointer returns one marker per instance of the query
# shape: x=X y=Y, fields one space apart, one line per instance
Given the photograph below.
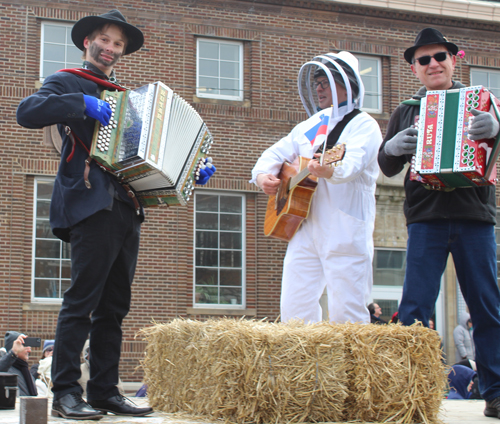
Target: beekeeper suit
x=334 y=245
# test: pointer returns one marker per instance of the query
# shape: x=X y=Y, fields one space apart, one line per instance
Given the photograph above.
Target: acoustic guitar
x=290 y=206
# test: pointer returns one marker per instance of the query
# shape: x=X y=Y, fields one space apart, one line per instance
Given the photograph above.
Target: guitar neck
x=298 y=178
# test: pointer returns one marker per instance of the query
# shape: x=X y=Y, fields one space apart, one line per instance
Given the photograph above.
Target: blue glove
x=97 y=109
x=483 y=125
x=206 y=171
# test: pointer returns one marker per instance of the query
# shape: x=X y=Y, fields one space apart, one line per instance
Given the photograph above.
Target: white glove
x=483 y=125
x=403 y=143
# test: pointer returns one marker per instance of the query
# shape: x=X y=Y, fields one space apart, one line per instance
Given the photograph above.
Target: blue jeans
x=473 y=247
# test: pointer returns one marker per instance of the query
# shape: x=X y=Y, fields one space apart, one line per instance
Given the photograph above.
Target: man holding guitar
x=331 y=233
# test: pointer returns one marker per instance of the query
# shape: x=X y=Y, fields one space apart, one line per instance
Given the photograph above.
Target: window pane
x=230 y=240
x=44 y=190
x=209 y=68
x=43 y=229
x=371 y=84
x=42 y=209
x=479 y=78
x=230 y=222
x=208 y=50
x=206 y=276
x=229 y=87
x=46 y=288
x=65 y=269
x=207 y=221
x=46 y=268
x=206 y=257
x=230 y=295
x=207 y=239
x=209 y=85
x=54 y=33
x=50 y=68
x=48 y=248
x=229 y=70
x=73 y=55
x=206 y=295
x=230 y=204
x=207 y=203
x=230 y=258
x=230 y=277
x=389 y=267
x=230 y=52
x=54 y=52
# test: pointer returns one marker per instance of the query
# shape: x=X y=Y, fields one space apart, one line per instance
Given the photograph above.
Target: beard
x=95 y=53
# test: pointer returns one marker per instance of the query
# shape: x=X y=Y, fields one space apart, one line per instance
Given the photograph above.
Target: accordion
x=445 y=157
x=155 y=142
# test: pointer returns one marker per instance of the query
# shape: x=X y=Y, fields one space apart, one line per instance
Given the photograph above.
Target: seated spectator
x=15 y=361
x=41 y=370
x=375 y=312
x=48 y=347
x=464 y=347
x=463 y=383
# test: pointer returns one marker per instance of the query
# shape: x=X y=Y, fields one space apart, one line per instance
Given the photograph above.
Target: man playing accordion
x=458 y=221
x=99 y=219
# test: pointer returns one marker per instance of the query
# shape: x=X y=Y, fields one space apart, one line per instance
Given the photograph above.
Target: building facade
x=237 y=63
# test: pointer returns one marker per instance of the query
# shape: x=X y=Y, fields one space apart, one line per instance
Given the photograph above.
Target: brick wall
x=279 y=36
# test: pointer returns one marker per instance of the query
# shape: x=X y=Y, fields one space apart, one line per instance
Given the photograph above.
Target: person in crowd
x=375 y=312
x=440 y=222
x=42 y=369
x=464 y=346
x=15 y=361
x=48 y=348
x=334 y=246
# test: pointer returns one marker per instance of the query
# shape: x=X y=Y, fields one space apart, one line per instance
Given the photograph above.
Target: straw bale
x=253 y=371
x=396 y=374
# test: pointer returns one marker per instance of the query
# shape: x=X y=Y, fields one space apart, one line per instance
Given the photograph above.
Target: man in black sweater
x=458 y=221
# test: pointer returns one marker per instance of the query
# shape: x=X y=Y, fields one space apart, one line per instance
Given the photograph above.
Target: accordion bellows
x=244 y=371
x=155 y=142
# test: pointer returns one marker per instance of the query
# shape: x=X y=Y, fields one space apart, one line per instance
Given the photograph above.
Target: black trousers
x=104 y=250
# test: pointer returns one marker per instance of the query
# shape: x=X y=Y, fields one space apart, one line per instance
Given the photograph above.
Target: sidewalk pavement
x=452 y=412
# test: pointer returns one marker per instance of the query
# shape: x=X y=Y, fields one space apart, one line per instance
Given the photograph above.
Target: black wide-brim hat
x=83 y=28
x=427 y=37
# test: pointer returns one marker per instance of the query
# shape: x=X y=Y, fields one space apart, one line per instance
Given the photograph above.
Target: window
x=487 y=78
x=219 y=250
x=219 y=69
x=389 y=267
x=58 y=51
x=370 y=70
x=51 y=257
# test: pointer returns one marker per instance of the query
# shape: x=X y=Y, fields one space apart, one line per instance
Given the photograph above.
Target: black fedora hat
x=135 y=37
x=426 y=37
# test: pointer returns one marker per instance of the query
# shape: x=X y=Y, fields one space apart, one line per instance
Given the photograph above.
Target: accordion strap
x=130 y=193
x=85 y=73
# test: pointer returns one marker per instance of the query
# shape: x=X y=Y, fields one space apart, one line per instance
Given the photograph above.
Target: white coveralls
x=334 y=245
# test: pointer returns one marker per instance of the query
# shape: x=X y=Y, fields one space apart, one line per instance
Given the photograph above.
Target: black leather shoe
x=493 y=408
x=120 y=405
x=72 y=406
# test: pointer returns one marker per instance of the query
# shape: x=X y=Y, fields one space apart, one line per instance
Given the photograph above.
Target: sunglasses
x=440 y=57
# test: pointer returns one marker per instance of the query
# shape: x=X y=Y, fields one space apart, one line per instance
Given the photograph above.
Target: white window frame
x=199 y=90
x=378 y=109
x=35 y=299
x=243 y=253
x=66 y=64
x=487 y=85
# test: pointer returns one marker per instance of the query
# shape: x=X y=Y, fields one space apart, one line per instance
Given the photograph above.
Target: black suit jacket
x=60 y=101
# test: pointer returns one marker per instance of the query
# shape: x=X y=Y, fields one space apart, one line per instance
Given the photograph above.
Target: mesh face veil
x=328 y=63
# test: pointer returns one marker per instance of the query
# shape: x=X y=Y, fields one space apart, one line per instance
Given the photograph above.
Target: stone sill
x=221 y=311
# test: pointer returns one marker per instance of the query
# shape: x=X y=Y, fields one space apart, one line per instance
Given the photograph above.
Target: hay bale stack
x=248 y=371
